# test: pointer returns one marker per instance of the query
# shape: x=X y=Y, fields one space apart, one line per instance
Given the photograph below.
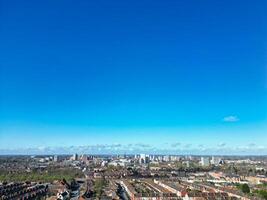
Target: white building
x=187 y=163
x=55 y=158
x=166 y=158
x=174 y=158
x=205 y=161
x=121 y=162
x=151 y=158
x=215 y=160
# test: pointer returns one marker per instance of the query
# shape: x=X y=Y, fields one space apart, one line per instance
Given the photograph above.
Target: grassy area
x=261 y=193
x=45 y=176
x=99 y=185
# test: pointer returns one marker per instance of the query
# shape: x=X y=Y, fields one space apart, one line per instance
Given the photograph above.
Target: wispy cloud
x=136 y=148
x=231 y=118
x=175 y=144
x=252 y=144
x=222 y=144
x=142 y=145
x=187 y=145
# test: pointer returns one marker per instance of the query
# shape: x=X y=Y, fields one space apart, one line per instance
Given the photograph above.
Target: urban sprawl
x=132 y=177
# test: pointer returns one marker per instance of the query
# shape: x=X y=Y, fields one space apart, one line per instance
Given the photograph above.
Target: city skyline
x=186 y=77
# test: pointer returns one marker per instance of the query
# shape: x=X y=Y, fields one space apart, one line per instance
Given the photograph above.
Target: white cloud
x=231 y=118
x=222 y=144
x=252 y=144
x=187 y=145
x=175 y=144
x=196 y=149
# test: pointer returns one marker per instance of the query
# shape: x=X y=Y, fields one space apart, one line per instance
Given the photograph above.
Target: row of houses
x=160 y=190
x=23 y=191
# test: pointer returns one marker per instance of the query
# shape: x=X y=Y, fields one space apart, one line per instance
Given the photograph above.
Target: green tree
x=245 y=188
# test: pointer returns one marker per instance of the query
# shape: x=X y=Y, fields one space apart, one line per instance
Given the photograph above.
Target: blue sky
x=145 y=73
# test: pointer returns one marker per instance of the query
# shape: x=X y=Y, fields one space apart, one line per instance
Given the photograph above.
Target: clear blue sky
x=76 y=73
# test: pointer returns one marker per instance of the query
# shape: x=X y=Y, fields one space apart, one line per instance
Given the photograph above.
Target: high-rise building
x=205 y=161
x=75 y=157
x=143 y=159
x=151 y=157
x=166 y=158
x=84 y=158
x=215 y=160
x=55 y=158
x=160 y=158
x=174 y=158
x=187 y=163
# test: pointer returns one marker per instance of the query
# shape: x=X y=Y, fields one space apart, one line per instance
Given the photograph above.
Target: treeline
x=41 y=176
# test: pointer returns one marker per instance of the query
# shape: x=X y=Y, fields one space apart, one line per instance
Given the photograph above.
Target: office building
x=205 y=161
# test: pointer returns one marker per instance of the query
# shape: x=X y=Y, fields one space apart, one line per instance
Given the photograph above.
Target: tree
x=245 y=188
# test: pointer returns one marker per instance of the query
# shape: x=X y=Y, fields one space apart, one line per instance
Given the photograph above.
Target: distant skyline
x=146 y=76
